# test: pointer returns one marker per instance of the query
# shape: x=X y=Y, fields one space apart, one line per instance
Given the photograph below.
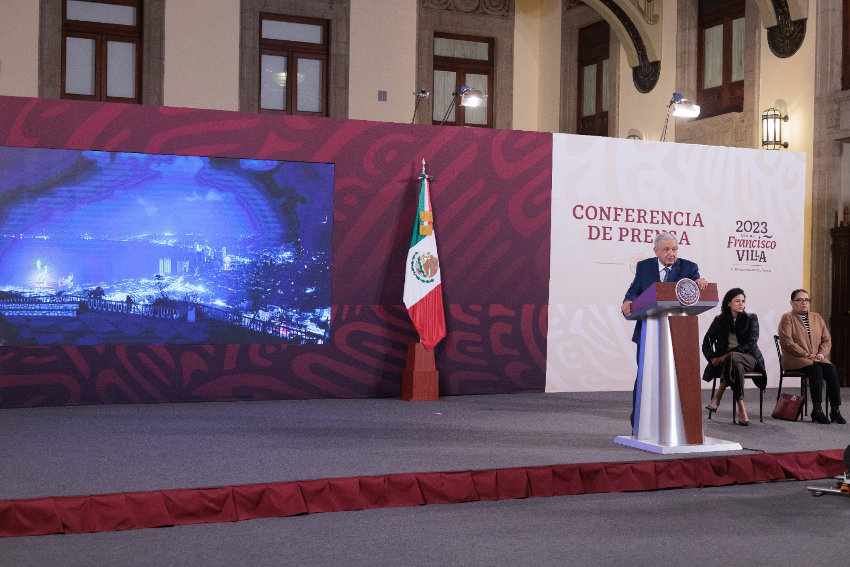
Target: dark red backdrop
x=491 y=196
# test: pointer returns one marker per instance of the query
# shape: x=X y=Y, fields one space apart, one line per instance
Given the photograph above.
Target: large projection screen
x=104 y=247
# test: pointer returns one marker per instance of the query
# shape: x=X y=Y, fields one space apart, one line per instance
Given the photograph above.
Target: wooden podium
x=668 y=405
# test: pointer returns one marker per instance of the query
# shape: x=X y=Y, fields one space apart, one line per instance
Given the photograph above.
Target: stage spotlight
x=679 y=106
x=472 y=97
x=421 y=94
x=468 y=97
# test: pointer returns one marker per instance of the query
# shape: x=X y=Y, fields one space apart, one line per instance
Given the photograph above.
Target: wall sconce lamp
x=771 y=129
x=468 y=97
x=679 y=106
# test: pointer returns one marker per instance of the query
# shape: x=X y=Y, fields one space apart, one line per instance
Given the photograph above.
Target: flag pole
x=424 y=301
x=423 y=175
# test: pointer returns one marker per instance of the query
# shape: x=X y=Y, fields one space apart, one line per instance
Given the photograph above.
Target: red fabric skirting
x=136 y=510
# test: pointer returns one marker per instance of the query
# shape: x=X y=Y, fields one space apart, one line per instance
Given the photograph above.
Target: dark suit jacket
x=716 y=343
x=646 y=274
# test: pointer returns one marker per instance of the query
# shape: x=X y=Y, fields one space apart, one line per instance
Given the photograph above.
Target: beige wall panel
x=549 y=97
x=383 y=58
x=789 y=85
x=19 y=47
x=645 y=112
x=202 y=54
x=526 y=62
x=537 y=61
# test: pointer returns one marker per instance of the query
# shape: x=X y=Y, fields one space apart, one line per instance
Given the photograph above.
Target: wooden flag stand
x=420 y=381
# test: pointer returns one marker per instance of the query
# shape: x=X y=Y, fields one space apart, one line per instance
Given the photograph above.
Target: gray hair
x=664 y=236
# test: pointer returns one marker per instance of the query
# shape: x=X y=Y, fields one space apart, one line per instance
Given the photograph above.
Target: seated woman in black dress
x=731 y=347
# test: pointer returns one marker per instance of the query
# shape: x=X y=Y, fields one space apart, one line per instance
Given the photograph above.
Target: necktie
x=666 y=274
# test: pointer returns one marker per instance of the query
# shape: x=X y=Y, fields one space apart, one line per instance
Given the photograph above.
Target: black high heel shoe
x=818 y=416
x=710 y=409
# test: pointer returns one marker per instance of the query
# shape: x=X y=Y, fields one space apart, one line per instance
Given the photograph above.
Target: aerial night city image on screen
x=125 y=248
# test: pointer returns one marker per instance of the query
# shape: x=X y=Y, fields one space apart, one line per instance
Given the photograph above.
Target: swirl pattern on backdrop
x=491 y=196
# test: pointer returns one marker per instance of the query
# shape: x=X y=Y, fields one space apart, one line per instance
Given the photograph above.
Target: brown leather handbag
x=789 y=407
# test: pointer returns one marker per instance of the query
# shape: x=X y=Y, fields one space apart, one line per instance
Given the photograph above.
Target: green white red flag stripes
x=423 y=289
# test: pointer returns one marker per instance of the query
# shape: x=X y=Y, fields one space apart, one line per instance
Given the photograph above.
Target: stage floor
x=120 y=448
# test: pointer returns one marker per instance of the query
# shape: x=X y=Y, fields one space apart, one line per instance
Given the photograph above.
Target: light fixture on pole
x=679 y=106
x=421 y=94
x=771 y=129
x=468 y=97
x=472 y=97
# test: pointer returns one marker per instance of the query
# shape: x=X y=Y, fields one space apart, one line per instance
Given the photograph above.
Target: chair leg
x=804 y=382
x=761 y=404
x=713 y=388
x=779 y=391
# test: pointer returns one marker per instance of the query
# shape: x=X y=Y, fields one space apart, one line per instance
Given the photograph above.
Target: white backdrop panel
x=737 y=212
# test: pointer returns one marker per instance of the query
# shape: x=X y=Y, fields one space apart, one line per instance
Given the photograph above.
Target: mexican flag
x=423 y=290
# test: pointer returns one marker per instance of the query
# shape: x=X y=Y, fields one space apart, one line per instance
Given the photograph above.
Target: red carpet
x=136 y=510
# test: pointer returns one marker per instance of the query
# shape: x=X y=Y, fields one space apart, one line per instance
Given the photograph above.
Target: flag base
x=420 y=381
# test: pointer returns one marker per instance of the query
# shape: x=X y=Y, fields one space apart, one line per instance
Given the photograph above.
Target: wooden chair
x=751 y=376
x=804 y=379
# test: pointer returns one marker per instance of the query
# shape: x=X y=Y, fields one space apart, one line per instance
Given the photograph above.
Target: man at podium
x=665 y=266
